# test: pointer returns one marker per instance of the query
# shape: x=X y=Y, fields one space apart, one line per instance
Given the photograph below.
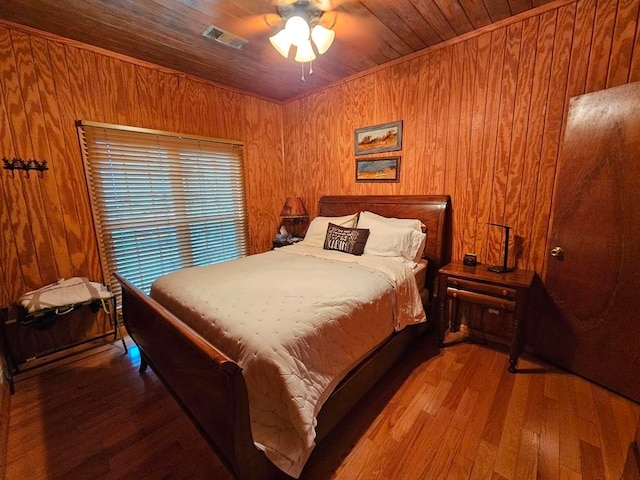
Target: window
x=162 y=201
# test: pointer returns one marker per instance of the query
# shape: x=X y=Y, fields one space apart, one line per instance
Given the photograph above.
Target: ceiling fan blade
x=256 y=25
x=328 y=5
x=284 y=3
x=350 y=27
x=324 y=5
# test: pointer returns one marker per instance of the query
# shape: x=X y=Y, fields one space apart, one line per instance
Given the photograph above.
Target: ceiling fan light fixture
x=303 y=30
x=281 y=42
x=305 y=53
x=322 y=38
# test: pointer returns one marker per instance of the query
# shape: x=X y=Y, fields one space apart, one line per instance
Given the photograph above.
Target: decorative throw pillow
x=344 y=239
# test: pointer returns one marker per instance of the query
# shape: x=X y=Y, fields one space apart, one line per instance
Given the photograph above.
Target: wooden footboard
x=207 y=384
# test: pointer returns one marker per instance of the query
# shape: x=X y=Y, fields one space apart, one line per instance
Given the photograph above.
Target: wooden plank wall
x=482 y=116
x=46 y=83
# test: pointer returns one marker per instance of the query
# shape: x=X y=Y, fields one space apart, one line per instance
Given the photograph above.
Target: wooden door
x=593 y=264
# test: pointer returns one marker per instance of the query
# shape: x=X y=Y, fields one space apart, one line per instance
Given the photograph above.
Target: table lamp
x=502 y=268
x=294 y=216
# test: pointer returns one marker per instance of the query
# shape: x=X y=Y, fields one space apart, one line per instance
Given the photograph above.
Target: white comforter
x=296 y=320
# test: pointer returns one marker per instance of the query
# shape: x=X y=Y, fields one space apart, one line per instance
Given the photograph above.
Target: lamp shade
x=305 y=52
x=293 y=208
x=322 y=37
x=281 y=42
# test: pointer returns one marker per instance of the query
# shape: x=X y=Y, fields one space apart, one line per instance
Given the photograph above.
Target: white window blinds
x=162 y=201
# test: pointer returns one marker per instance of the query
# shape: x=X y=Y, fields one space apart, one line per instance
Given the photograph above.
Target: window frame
x=186 y=223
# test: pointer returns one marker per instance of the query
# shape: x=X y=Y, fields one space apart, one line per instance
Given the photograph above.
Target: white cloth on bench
x=63 y=293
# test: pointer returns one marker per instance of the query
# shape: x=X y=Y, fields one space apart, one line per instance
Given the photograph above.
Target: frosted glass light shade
x=298 y=30
x=322 y=37
x=305 y=52
x=281 y=42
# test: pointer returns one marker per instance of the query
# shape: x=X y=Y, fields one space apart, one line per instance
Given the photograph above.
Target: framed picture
x=378 y=138
x=384 y=169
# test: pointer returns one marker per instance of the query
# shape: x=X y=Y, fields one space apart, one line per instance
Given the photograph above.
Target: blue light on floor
x=134 y=353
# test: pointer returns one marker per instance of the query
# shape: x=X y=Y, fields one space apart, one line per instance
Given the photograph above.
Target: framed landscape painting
x=385 y=169
x=386 y=137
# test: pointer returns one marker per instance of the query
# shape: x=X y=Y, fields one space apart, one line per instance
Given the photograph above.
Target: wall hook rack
x=17 y=163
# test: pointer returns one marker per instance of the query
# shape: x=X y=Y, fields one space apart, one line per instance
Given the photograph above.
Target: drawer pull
x=504 y=292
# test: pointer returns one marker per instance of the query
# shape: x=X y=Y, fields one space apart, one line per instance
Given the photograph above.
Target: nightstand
x=278 y=244
x=492 y=306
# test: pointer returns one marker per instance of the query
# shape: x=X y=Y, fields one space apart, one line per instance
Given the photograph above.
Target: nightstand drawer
x=495 y=290
x=482 y=299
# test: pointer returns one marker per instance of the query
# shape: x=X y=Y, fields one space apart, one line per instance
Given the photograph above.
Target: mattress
x=296 y=320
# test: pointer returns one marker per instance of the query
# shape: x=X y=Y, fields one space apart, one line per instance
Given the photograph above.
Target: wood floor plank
x=512 y=432
x=477 y=423
x=592 y=462
x=567 y=474
x=568 y=421
x=535 y=405
x=625 y=419
x=495 y=422
x=439 y=465
x=584 y=399
x=484 y=461
x=460 y=468
x=588 y=432
x=527 y=460
x=549 y=446
x=609 y=435
x=445 y=414
x=465 y=410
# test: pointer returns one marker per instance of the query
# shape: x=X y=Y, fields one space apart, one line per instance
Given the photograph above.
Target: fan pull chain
x=302 y=70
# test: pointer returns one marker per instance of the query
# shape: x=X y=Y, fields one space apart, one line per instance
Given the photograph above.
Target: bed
x=211 y=387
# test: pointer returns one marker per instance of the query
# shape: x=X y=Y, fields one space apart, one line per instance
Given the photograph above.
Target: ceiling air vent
x=224 y=37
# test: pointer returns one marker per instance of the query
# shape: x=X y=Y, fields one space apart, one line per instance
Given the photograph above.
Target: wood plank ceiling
x=169 y=33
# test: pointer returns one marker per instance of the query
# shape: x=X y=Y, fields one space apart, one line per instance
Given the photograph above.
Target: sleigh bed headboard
x=432 y=210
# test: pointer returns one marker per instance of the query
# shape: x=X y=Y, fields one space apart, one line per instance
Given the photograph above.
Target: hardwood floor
x=450 y=414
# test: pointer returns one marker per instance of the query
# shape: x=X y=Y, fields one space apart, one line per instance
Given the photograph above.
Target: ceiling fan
x=302 y=28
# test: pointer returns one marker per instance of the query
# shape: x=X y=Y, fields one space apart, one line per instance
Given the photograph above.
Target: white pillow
x=317 y=231
x=394 y=222
x=388 y=241
x=393 y=237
